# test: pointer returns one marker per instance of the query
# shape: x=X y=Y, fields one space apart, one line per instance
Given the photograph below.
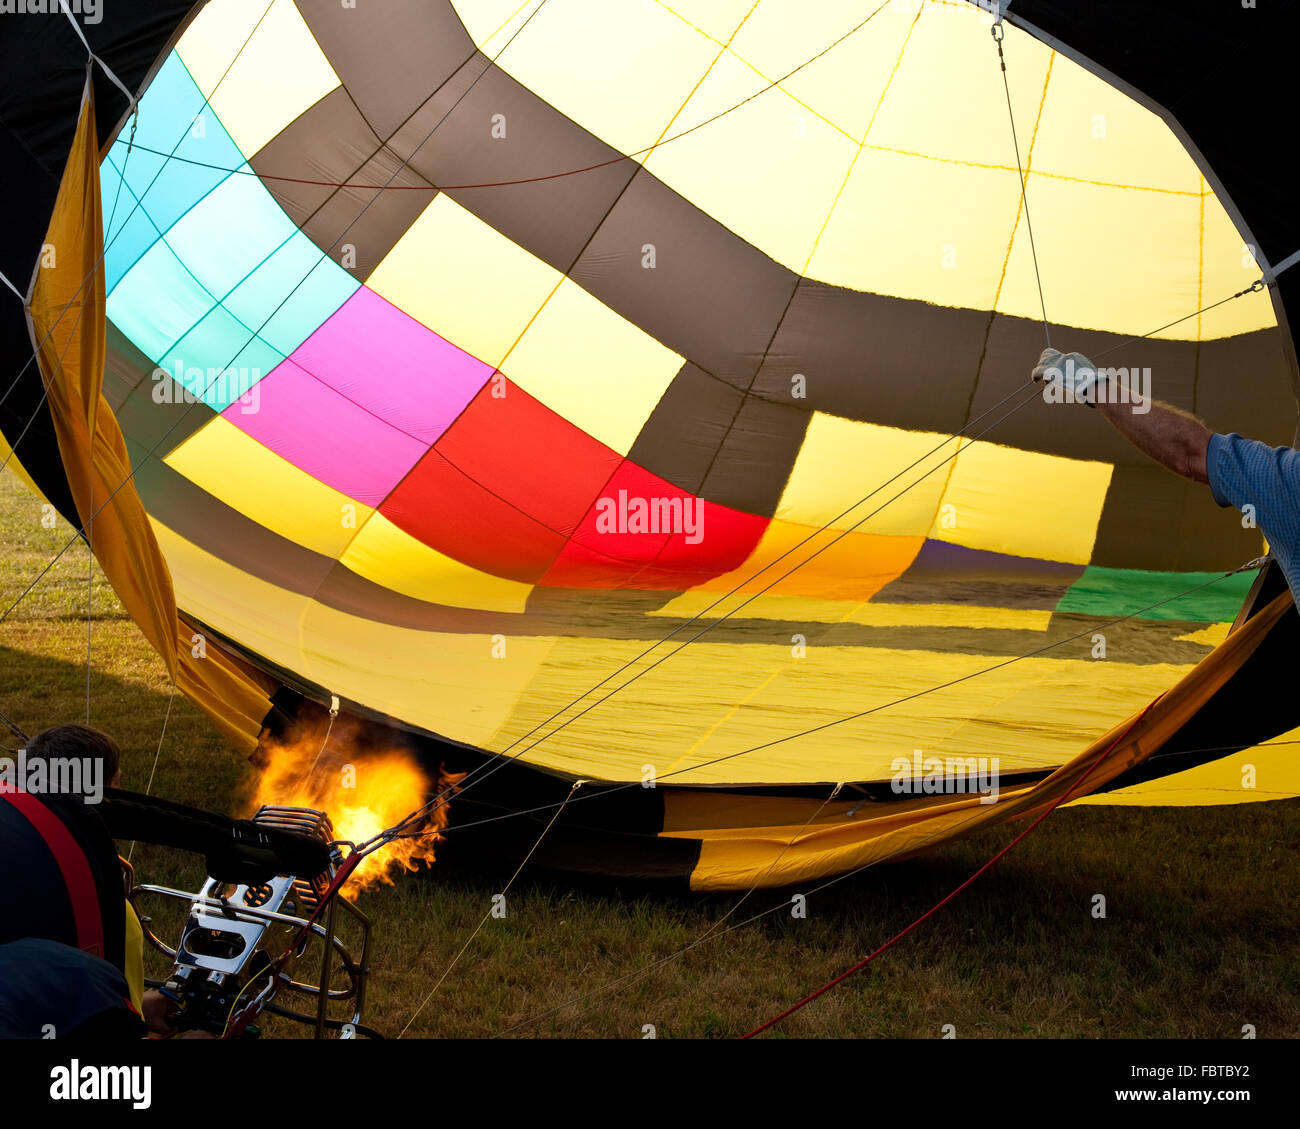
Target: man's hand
x=1172 y=437
x=157 y=1008
x=1072 y=371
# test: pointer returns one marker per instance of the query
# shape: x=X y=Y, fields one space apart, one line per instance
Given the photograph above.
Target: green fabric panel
x=1124 y=591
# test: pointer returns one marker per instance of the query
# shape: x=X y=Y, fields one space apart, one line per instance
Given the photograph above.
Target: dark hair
x=77 y=741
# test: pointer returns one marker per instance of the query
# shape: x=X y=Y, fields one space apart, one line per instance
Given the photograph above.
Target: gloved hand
x=1074 y=375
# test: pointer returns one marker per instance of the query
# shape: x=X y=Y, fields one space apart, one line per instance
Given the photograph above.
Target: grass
x=1198 y=937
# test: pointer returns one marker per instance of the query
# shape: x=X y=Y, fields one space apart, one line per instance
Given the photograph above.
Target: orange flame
x=364 y=787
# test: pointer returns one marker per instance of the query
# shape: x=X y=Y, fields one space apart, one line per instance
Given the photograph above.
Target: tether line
x=997 y=32
x=484 y=920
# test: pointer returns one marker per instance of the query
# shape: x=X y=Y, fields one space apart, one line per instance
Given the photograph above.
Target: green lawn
x=1199 y=938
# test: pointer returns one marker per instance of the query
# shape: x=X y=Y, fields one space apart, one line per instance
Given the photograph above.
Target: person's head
x=79 y=744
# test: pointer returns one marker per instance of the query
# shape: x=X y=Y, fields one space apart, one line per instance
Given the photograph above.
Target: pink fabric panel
x=325 y=434
x=393 y=366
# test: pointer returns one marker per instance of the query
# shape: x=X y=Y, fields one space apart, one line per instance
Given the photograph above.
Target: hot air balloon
x=632 y=398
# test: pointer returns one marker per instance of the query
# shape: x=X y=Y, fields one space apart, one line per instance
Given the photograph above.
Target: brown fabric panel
x=125 y=367
x=868 y=357
x=943 y=573
x=243 y=543
x=1072 y=430
x=1242 y=385
x=1236 y=383
x=576 y=616
x=754 y=464
x=331 y=142
x=328 y=142
x=553 y=219
x=682 y=437
x=712 y=440
x=710 y=296
x=147 y=423
x=223 y=531
x=391 y=55
x=1155 y=520
x=599 y=610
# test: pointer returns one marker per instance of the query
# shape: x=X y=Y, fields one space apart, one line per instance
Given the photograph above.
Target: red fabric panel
x=609 y=550
x=520 y=450
x=449 y=511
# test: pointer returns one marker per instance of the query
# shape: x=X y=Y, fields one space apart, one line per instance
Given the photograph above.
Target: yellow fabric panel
x=394 y=669
x=843 y=460
x=260 y=616
x=1276 y=765
x=726 y=698
x=997 y=496
x=715 y=18
x=10 y=460
x=134 y=958
x=449 y=684
x=464 y=280
x=989 y=715
x=947 y=99
x=1091 y=131
x=1229 y=266
x=231 y=465
x=780 y=855
x=804 y=609
x=852 y=566
x=843 y=86
x=491 y=23
x=920 y=245
x=1113 y=193
x=279 y=72
x=950 y=615
x=392 y=557
x=798 y=159
x=626 y=98
x=1138 y=268
x=787 y=852
x=1210 y=636
x=592 y=366
x=94 y=455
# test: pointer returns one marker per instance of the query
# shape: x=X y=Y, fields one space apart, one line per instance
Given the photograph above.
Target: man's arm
x=1174 y=438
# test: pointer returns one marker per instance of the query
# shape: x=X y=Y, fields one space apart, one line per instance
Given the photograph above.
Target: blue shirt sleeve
x=1246 y=472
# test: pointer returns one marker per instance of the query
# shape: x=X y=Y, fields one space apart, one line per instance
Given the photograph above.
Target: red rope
x=952 y=894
